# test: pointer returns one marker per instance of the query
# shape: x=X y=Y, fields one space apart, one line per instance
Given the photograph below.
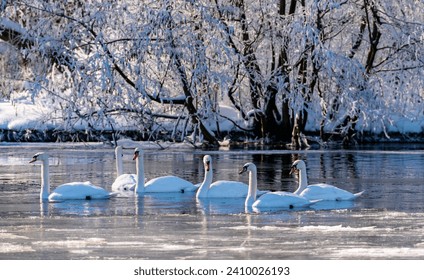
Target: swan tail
x=312 y=202
x=356 y=195
x=262 y=192
x=113 y=194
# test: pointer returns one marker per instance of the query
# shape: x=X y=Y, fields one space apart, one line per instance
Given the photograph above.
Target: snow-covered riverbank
x=28 y=122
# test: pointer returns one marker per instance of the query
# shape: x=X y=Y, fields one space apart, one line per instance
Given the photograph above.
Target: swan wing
x=358 y=194
x=227 y=189
x=262 y=192
x=78 y=190
x=169 y=184
x=281 y=200
x=124 y=183
x=326 y=192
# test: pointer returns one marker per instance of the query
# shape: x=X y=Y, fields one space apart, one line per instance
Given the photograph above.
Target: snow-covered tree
x=178 y=66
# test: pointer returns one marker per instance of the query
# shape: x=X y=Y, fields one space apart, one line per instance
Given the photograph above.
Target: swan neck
x=119 y=166
x=139 y=187
x=303 y=181
x=45 y=183
x=207 y=181
x=253 y=187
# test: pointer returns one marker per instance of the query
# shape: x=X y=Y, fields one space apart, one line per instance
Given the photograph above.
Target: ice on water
x=386 y=223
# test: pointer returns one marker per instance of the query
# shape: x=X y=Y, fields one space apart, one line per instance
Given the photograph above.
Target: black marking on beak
x=136 y=154
x=34 y=159
x=244 y=169
x=293 y=169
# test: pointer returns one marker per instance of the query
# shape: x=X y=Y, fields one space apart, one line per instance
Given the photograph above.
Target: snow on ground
x=393 y=124
x=26 y=116
x=20 y=116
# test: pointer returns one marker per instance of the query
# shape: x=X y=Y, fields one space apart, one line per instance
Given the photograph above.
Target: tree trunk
x=250 y=61
x=374 y=34
x=189 y=102
x=287 y=115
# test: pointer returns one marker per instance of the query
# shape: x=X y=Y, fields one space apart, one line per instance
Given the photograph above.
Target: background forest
x=349 y=70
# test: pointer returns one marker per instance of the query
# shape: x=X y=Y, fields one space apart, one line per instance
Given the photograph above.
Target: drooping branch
x=14 y=34
x=17 y=36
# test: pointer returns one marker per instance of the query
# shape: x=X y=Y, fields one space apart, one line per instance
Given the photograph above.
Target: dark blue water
x=387 y=222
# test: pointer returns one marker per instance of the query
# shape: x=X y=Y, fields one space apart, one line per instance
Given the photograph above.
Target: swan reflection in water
x=77 y=208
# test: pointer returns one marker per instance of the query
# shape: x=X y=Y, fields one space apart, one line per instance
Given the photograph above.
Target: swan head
x=248 y=167
x=137 y=153
x=297 y=165
x=207 y=160
x=39 y=157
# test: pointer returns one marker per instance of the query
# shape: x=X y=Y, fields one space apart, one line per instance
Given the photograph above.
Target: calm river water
x=387 y=222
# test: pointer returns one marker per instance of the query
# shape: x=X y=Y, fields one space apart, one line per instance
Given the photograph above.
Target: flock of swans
x=305 y=196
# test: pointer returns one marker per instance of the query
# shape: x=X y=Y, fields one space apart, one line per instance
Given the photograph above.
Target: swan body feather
x=227 y=189
x=327 y=192
x=281 y=200
x=124 y=183
x=78 y=191
x=169 y=183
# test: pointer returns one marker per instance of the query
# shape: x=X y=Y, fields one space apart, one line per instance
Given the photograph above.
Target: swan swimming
x=124 y=183
x=219 y=189
x=319 y=191
x=270 y=199
x=68 y=191
x=161 y=184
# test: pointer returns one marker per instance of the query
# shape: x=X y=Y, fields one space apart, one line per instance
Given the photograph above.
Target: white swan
x=124 y=183
x=319 y=191
x=69 y=191
x=283 y=200
x=219 y=189
x=160 y=184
